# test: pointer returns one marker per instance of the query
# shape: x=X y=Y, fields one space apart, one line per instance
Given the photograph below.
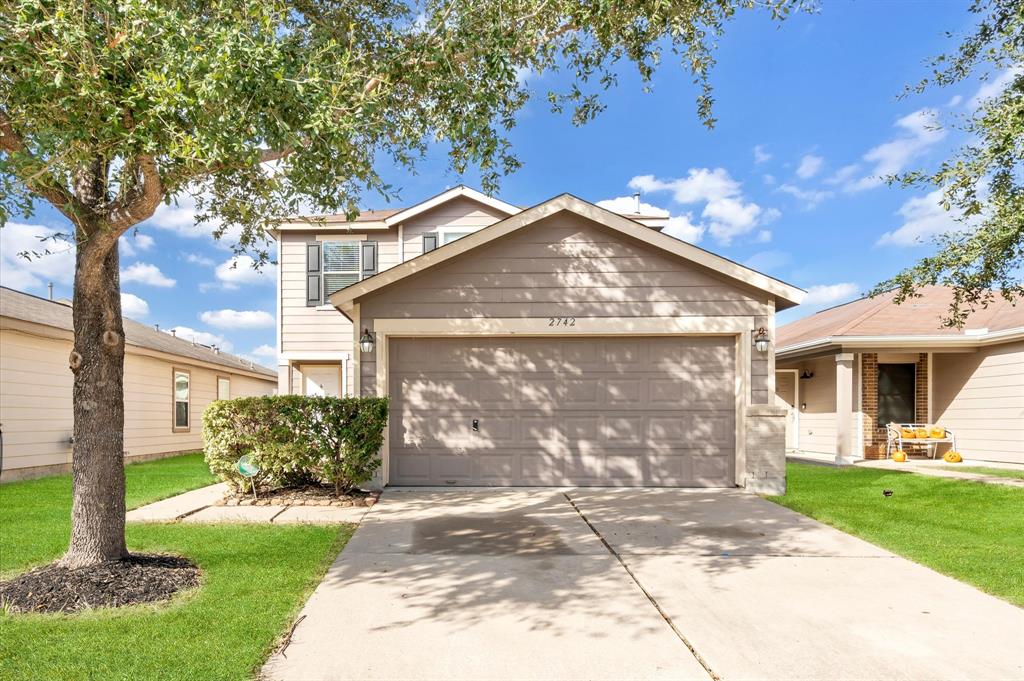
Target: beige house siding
x=980 y=396
x=457 y=214
x=36 y=413
x=817 y=405
x=567 y=266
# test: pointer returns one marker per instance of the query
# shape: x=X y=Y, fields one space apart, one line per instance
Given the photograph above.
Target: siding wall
x=568 y=266
x=310 y=329
x=818 y=419
x=35 y=401
x=980 y=396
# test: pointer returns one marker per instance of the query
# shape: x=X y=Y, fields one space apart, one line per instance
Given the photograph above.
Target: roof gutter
x=901 y=342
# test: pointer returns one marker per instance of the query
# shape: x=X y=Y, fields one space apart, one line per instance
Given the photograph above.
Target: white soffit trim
x=937 y=341
x=446 y=196
x=566 y=202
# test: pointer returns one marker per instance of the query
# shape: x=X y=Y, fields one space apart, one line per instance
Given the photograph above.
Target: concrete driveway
x=634 y=584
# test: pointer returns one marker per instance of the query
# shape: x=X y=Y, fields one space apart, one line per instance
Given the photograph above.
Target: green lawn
x=255 y=578
x=967 y=530
x=35 y=515
x=987 y=470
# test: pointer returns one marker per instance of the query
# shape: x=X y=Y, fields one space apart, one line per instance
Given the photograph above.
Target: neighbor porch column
x=844 y=406
x=284 y=378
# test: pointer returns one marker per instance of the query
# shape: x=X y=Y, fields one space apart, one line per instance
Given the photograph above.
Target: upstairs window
x=342 y=265
x=181 y=394
x=448 y=237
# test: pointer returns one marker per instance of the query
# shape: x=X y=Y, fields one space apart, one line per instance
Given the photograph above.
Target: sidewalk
x=198 y=506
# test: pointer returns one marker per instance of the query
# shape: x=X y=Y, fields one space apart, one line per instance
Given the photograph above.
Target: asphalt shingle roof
x=915 y=317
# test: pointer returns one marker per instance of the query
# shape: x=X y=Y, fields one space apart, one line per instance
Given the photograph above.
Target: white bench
x=894 y=433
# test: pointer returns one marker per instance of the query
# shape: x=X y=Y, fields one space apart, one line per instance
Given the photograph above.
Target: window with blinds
x=341 y=265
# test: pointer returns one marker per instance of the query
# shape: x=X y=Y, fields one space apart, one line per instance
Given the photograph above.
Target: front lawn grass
x=987 y=470
x=970 y=531
x=35 y=515
x=255 y=579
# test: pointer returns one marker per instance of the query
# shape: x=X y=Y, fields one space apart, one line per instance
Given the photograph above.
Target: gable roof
x=56 y=314
x=785 y=294
x=916 y=319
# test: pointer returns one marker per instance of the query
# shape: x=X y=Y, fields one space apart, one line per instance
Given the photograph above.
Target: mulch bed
x=140 y=578
x=309 y=495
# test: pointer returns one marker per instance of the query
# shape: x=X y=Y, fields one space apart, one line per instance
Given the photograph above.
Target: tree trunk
x=97 y=516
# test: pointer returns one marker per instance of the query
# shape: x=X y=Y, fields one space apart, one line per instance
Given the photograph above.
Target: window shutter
x=369 y=258
x=313 y=292
x=429 y=242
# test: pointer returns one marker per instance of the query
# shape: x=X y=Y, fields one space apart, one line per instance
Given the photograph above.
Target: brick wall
x=875 y=435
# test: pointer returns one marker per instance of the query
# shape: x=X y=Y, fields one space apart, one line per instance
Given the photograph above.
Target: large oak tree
x=110 y=107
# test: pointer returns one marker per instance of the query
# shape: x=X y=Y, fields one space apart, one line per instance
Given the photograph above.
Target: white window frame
x=227 y=396
x=358 y=271
x=444 y=232
x=175 y=372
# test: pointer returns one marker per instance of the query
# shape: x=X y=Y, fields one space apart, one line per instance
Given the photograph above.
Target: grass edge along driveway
x=255 y=579
x=970 y=531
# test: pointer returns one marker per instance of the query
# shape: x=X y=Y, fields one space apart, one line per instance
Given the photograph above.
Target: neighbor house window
x=182 y=392
x=223 y=388
x=896 y=393
x=341 y=265
x=448 y=237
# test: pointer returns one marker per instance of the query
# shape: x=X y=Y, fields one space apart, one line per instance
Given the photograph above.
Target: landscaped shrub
x=295 y=439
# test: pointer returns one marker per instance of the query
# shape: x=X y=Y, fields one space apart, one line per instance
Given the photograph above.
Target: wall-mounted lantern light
x=366 y=341
x=807 y=375
x=761 y=340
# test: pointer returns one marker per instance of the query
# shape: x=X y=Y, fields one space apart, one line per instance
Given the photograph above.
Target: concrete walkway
x=940 y=469
x=634 y=584
x=198 y=506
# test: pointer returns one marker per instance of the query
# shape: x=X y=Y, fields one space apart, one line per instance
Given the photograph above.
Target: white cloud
x=197 y=259
x=768 y=178
x=145 y=273
x=920 y=130
x=682 y=227
x=55 y=260
x=761 y=155
x=827 y=294
x=236 y=271
x=809 y=197
x=132 y=306
x=727 y=213
x=131 y=243
x=626 y=205
x=954 y=101
x=179 y=217
x=810 y=165
x=264 y=351
x=237 y=319
x=763 y=236
x=844 y=174
x=699 y=185
x=923 y=218
x=995 y=86
x=766 y=261
x=202 y=337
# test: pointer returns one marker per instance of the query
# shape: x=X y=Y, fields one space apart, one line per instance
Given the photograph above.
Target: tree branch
x=41 y=181
x=141 y=201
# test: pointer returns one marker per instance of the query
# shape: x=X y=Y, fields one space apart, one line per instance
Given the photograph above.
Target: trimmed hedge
x=296 y=439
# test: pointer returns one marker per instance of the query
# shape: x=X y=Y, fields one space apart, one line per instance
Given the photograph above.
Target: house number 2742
x=561 y=321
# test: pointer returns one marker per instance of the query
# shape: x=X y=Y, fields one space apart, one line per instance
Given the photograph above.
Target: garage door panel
x=560 y=412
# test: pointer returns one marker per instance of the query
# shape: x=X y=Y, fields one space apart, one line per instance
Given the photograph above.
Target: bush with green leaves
x=296 y=439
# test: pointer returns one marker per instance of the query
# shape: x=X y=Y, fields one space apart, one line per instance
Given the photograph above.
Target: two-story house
x=556 y=344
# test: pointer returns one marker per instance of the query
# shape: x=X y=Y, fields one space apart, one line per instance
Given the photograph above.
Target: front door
x=322 y=381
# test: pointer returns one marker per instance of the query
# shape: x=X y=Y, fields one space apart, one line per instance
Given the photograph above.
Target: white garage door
x=563 y=411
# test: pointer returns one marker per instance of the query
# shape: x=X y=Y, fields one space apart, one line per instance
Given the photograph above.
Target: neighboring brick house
x=845 y=372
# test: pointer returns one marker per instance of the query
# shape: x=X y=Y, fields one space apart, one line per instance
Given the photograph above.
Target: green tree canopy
x=983 y=183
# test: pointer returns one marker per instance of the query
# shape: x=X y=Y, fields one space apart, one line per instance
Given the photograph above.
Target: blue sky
x=808 y=117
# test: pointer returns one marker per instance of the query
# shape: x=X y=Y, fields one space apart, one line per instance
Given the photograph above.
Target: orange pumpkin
x=899 y=456
x=921 y=433
x=952 y=457
x=936 y=432
x=908 y=433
